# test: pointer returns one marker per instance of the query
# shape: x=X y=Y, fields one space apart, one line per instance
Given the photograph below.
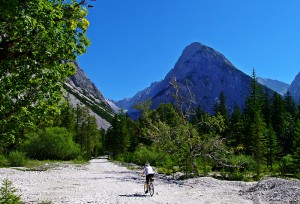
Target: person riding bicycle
x=148 y=170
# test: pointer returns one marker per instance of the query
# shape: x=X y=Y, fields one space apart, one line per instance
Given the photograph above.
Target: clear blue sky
x=136 y=42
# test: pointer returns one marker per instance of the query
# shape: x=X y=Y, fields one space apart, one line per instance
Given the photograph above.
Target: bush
x=54 y=143
x=145 y=154
x=287 y=164
x=16 y=158
x=243 y=162
x=3 y=161
x=7 y=193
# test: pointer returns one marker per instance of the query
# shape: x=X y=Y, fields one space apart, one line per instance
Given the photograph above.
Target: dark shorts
x=148 y=177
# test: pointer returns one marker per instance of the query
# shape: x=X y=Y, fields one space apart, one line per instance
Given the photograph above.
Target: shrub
x=16 y=158
x=145 y=154
x=242 y=162
x=7 y=193
x=54 y=143
x=287 y=164
x=3 y=161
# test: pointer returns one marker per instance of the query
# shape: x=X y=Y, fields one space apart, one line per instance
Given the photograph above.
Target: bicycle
x=150 y=187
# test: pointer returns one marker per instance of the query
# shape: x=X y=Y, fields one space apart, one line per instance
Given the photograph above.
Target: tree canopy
x=38 y=40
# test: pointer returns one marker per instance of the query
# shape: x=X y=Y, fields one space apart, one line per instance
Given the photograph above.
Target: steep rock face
x=294 y=89
x=81 y=82
x=84 y=92
x=206 y=72
x=278 y=86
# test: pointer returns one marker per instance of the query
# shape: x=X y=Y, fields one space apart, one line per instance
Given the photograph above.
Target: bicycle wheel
x=151 y=189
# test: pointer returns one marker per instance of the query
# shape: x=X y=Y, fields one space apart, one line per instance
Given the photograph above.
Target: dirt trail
x=104 y=182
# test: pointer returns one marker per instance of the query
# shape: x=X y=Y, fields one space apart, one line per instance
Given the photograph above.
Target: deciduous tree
x=38 y=39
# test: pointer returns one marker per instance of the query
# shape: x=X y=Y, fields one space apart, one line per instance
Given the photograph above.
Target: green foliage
x=296 y=147
x=118 y=136
x=3 y=161
x=242 y=162
x=235 y=175
x=240 y=166
x=236 y=128
x=67 y=116
x=272 y=147
x=38 y=39
x=52 y=143
x=16 y=158
x=145 y=154
x=8 y=193
x=221 y=108
x=87 y=134
x=287 y=164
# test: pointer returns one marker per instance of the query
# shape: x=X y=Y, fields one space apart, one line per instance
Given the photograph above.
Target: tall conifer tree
x=255 y=125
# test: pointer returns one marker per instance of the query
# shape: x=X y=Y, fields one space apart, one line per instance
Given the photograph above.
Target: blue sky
x=137 y=42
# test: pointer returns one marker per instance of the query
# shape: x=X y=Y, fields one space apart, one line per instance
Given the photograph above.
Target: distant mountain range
x=278 y=86
x=200 y=69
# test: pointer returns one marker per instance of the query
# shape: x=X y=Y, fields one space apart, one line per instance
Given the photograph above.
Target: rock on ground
x=275 y=191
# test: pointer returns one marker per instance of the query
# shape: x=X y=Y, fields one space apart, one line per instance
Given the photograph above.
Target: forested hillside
x=262 y=139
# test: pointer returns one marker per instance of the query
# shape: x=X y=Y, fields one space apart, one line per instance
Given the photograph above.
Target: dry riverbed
x=102 y=181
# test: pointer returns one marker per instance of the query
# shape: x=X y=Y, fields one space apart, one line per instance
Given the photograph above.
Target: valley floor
x=102 y=181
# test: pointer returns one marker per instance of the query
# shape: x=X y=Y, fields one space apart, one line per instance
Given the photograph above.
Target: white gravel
x=104 y=182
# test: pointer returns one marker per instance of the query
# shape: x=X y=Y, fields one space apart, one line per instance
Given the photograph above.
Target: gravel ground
x=104 y=182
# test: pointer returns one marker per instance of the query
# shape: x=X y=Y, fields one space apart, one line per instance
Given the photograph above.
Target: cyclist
x=148 y=170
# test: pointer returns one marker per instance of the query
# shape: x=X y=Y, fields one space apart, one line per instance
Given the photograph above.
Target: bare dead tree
x=185 y=102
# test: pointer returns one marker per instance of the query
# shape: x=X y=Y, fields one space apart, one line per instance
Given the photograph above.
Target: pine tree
x=266 y=109
x=8 y=193
x=290 y=105
x=236 y=130
x=221 y=108
x=272 y=148
x=254 y=104
x=282 y=123
x=296 y=147
x=118 y=140
x=255 y=125
x=258 y=128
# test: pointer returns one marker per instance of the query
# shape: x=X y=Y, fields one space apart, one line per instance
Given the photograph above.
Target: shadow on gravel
x=99 y=162
x=136 y=195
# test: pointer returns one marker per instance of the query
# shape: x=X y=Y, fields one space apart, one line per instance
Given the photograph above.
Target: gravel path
x=104 y=182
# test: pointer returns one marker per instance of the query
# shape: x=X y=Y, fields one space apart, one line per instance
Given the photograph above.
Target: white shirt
x=149 y=170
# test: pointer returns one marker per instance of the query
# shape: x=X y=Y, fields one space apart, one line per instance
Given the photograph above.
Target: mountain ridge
x=82 y=91
x=207 y=71
x=276 y=85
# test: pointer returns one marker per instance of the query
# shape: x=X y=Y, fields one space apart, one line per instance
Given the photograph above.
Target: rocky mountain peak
x=207 y=72
x=198 y=58
x=198 y=51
